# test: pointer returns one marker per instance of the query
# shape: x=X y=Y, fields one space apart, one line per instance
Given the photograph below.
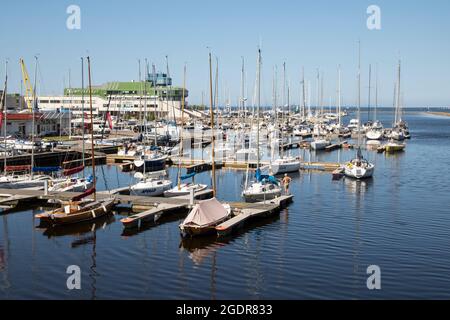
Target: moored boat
x=204 y=217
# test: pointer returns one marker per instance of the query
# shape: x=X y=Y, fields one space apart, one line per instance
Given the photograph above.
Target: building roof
x=126 y=88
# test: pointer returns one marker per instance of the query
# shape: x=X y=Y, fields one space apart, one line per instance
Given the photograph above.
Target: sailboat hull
x=358 y=172
x=93 y=211
x=285 y=166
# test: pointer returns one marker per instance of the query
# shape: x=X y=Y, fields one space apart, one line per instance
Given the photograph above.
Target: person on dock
x=286 y=181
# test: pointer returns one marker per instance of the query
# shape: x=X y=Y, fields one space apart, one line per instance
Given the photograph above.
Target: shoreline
x=436 y=113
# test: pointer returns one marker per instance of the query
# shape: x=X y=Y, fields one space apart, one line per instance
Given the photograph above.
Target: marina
x=224 y=151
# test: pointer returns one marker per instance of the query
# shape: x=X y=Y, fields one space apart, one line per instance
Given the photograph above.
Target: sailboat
x=150 y=184
x=400 y=129
x=375 y=131
x=285 y=163
x=265 y=187
x=183 y=188
x=75 y=184
x=29 y=179
x=207 y=214
x=359 y=168
x=80 y=209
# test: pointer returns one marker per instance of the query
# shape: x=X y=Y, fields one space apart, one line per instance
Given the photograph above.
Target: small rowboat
x=74 y=211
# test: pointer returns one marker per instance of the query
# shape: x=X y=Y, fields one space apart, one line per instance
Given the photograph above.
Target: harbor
x=224 y=151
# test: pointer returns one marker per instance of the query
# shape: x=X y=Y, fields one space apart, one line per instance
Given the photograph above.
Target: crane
x=29 y=93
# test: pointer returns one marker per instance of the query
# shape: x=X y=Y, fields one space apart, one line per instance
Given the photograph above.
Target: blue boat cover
x=187 y=176
x=46 y=169
x=265 y=177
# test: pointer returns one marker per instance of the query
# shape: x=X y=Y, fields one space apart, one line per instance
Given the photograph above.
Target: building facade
x=155 y=98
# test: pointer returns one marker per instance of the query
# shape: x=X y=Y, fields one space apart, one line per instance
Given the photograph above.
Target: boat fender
x=93 y=214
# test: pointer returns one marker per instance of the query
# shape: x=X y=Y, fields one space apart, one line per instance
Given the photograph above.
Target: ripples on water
x=319 y=247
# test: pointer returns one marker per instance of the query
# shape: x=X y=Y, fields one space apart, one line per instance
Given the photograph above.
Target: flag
x=108 y=117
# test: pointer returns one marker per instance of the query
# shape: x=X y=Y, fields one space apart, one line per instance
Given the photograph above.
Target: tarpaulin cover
x=205 y=213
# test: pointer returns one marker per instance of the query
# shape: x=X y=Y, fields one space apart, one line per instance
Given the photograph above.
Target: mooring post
x=46 y=187
x=191 y=197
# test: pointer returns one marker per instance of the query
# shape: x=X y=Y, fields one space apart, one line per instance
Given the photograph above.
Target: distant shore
x=445 y=114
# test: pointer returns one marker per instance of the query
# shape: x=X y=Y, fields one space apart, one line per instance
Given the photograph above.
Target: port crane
x=29 y=92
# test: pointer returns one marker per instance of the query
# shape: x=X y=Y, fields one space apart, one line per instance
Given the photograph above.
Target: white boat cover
x=205 y=213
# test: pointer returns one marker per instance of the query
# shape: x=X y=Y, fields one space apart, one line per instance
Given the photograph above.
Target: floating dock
x=249 y=211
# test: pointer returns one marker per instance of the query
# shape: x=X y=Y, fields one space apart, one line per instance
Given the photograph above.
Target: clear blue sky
x=315 y=34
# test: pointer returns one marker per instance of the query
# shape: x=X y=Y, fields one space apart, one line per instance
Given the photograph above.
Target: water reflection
x=357 y=187
x=167 y=218
x=78 y=229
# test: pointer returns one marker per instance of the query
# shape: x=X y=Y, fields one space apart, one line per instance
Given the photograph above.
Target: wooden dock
x=250 y=211
x=150 y=216
x=335 y=146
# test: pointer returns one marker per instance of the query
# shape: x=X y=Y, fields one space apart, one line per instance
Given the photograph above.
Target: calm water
x=319 y=247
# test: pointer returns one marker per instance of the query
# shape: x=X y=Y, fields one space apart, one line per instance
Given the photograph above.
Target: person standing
x=286 y=181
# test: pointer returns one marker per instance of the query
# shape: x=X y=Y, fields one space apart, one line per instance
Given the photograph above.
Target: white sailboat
x=285 y=163
x=375 y=131
x=359 y=168
x=261 y=189
x=151 y=184
x=183 y=188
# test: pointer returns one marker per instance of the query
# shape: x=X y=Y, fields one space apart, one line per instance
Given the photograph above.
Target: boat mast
x=376 y=92
x=33 y=115
x=258 y=108
x=181 y=135
x=212 y=127
x=398 y=115
x=92 y=127
x=156 y=104
x=339 y=95
x=359 y=96
x=5 y=110
x=368 y=103
x=304 y=94
x=82 y=116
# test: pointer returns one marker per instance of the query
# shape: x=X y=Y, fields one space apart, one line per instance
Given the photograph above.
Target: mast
x=376 y=93
x=368 y=103
x=92 y=127
x=33 y=115
x=212 y=127
x=304 y=93
x=284 y=89
x=258 y=108
x=154 y=85
x=5 y=110
x=398 y=114
x=318 y=91
x=82 y=117
x=181 y=135
x=359 y=95
x=339 y=95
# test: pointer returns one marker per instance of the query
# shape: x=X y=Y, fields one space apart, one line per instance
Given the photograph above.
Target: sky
x=315 y=35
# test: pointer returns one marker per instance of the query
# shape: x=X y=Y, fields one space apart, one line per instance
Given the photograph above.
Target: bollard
x=46 y=187
x=191 y=197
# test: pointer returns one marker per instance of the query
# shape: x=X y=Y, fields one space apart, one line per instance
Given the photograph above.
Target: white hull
x=320 y=144
x=358 y=172
x=374 y=135
x=185 y=189
x=151 y=188
x=259 y=192
x=280 y=166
